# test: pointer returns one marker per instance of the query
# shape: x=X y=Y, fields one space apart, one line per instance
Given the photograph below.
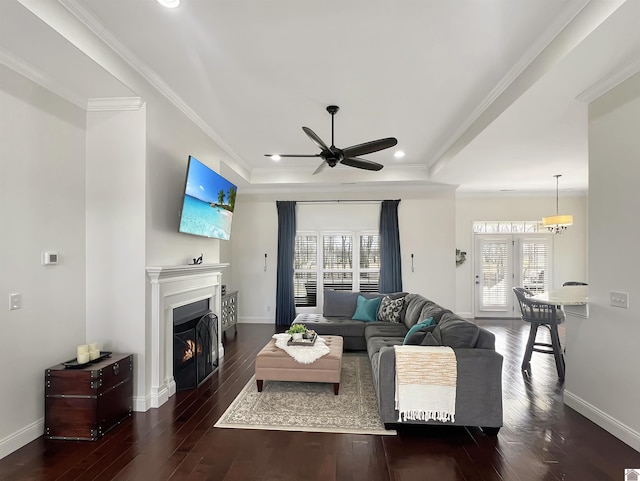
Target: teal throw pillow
x=366 y=309
x=424 y=323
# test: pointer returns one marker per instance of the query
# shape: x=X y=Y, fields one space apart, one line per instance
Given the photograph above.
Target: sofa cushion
x=419 y=325
x=414 y=304
x=344 y=303
x=366 y=309
x=452 y=331
x=376 y=343
x=339 y=303
x=434 y=311
x=384 y=329
x=390 y=309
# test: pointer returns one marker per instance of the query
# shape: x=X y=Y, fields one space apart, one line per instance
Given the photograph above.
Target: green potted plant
x=296 y=331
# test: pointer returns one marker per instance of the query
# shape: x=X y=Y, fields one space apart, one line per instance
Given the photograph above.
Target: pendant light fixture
x=557 y=223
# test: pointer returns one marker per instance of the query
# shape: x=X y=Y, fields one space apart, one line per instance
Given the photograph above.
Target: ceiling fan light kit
x=349 y=156
x=557 y=223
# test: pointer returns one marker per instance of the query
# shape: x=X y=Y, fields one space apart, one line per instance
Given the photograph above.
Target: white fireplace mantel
x=173 y=287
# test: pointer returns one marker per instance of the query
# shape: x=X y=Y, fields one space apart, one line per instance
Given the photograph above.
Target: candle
x=94 y=354
x=83 y=349
x=83 y=358
x=93 y=346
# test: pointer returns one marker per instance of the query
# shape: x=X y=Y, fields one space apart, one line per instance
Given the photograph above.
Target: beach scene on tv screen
x=208 y=203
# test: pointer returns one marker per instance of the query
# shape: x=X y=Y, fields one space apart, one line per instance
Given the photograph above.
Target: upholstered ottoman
x=273 y=364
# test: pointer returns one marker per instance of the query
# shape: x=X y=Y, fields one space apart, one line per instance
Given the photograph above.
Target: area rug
x=309 y=406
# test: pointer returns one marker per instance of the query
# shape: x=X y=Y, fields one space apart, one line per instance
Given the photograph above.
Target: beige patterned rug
x=311 y=407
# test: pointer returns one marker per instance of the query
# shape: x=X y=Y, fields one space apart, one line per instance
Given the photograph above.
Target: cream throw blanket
x=302 y=354
x=426 y=378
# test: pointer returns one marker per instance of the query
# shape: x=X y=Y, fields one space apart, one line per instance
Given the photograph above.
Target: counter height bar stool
x=538 y=314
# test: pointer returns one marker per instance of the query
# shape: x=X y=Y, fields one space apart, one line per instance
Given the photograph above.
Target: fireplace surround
x=172 y=287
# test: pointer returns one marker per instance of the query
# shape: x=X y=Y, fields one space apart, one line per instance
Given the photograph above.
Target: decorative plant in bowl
x=296 y=331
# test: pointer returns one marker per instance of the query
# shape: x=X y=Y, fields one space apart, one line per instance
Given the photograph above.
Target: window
x=347 y=261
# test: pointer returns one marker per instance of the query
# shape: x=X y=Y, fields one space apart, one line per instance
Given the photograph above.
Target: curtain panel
x=390 y=259
x=285 y=302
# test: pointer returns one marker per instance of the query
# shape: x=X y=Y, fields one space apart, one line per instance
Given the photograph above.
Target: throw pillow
x=390 y=309
x=366 y=309
x=425 y=323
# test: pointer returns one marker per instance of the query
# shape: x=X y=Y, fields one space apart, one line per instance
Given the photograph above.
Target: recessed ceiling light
x=169 y=3
x=275 y=157
x=398 y=154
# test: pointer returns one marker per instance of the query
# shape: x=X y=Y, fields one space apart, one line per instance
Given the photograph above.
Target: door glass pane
x=494 y=273
x=535 y=265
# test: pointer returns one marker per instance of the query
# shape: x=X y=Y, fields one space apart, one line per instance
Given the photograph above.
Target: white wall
x=115 y=202
x=42 y=207
x=602 y=362
x=569 y=248
x=427 y=229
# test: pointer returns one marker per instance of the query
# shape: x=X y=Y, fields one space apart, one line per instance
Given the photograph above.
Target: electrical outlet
x=268 y=308
x=619 y=299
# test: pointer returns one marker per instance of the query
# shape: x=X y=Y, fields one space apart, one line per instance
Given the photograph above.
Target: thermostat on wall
x=49 y=258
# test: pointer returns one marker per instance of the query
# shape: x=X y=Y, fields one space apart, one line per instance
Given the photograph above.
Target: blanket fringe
x=426 y=416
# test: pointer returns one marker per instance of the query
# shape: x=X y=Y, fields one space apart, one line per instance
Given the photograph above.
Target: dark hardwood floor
x=541 y=438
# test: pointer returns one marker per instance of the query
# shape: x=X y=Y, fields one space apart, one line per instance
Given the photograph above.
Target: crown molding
x=533 y=55
x=610 y=81
x=36 y=75
x=114 y=103
x=87 y=18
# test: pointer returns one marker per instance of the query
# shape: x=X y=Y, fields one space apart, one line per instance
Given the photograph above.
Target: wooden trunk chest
x=85 y=403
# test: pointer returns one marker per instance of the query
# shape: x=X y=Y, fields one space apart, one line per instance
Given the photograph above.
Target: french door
x=503 y=261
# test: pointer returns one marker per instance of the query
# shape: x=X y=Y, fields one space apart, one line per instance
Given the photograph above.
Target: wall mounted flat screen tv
x=208 y=202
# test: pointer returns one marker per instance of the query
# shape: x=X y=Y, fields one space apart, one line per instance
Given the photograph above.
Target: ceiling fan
x=333 y=156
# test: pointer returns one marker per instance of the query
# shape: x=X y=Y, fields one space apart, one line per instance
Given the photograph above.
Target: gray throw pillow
x=390 y=309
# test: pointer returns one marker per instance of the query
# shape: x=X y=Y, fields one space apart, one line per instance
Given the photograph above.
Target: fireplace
x=172 y=287
x=195 y=344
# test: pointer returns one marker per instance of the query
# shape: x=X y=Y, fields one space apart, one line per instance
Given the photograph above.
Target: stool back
x=533 y=311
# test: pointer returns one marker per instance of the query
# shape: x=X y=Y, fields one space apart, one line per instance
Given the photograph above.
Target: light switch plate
x=619 y=299
x=15 y=301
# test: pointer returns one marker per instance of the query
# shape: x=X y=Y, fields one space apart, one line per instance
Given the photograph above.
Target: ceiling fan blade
x=293 y=155
x=369 y=147
x=361 y=163
x=316 y=140
x=320 y=168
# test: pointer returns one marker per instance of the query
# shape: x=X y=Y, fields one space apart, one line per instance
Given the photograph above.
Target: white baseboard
x=256 y=320
x=20 y=438
x=142 y=404
x=621 y=431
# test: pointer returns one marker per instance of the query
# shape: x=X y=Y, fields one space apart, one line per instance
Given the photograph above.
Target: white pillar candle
x=93 y=346
x=83 y=349
x=94 y=354
x=83 y=358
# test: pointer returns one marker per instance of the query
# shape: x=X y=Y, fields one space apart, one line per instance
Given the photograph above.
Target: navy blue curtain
x=285 y=302
x=390 y=260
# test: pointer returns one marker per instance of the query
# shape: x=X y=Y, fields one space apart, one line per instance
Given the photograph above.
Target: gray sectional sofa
x=479 y=376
